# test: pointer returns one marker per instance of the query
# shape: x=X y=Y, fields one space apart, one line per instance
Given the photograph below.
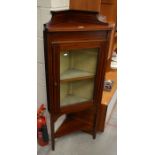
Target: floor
x=82 y=144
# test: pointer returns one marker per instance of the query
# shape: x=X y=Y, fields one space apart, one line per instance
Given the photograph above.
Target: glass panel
x=77 y=73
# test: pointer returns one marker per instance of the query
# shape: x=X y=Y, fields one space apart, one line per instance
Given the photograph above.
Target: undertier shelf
x=71 y=125
x=74 y=74
x=72 y=99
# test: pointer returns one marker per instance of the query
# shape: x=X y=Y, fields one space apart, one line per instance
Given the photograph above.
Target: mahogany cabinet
x=76 y=47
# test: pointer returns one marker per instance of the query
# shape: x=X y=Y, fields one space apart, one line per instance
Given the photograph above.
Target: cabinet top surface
x=77 y=21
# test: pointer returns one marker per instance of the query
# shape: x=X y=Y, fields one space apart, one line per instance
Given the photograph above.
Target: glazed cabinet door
x=77 y=74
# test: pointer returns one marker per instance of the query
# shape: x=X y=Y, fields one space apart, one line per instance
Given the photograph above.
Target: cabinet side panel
x=46 y=68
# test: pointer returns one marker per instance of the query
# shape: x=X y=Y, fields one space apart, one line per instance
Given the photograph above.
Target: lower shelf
x=72 y=99
x=71 y=125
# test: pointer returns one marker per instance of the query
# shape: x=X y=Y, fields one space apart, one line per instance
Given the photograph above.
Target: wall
x=43 y=16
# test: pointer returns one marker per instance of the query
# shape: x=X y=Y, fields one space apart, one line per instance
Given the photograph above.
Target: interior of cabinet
x=77 y=73
x=76 y=92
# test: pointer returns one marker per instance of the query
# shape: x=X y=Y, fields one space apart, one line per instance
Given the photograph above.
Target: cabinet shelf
x=72 y=99
x=74 y=74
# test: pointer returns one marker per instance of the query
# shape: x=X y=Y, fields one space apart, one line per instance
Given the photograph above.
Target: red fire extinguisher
x=42 y=133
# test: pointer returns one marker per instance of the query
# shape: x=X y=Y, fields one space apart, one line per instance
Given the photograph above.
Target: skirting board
x=111 y=107
x=59 y=9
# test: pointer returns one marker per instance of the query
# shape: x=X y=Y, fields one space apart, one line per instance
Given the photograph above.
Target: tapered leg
x=52 y=135
x=53 y=144
x=94 y=125
x=94 y=135
x=94 y=132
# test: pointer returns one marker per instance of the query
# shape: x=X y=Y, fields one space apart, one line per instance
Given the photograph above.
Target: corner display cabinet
x=76 y=48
